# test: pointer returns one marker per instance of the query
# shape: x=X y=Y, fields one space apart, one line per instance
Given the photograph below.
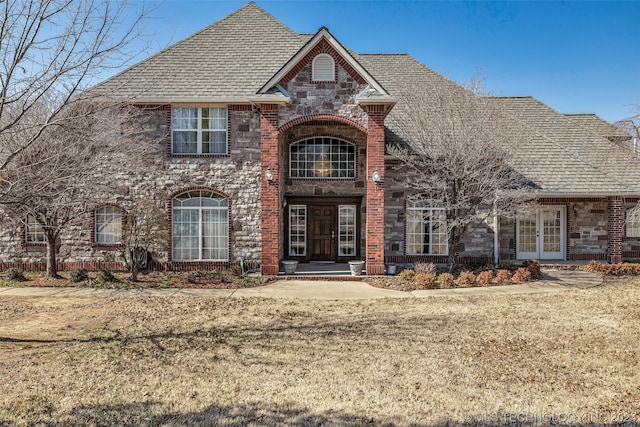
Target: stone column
x=615 y=222
x=375 y=192
x=269 y=190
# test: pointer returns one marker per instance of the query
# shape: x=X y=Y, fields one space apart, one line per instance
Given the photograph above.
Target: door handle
x=333 y=234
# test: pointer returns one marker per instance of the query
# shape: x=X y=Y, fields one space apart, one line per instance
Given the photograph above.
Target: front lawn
x=154 y=360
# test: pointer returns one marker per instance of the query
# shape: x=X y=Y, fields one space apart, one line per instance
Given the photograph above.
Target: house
x=275 y=149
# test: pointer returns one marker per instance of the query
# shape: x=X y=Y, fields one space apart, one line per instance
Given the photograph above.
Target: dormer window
x=324 y=69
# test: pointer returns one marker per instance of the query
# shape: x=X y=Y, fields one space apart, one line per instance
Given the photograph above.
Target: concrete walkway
x=553 y=281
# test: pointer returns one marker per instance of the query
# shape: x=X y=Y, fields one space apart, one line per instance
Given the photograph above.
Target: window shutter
x=323 y=68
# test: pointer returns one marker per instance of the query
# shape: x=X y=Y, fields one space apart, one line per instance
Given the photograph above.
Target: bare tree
x=145 y=231
x=631 y=125
x=457 y=159
x=74 y=165
x=51 y=50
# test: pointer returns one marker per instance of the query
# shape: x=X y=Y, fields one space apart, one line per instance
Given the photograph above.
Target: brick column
x=269 y=191
x=615 y=222
x=375 y=192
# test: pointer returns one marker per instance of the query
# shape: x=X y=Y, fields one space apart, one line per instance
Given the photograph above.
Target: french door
x=541 y=234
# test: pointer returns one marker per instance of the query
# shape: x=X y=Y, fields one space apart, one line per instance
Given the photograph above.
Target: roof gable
x=323 y=42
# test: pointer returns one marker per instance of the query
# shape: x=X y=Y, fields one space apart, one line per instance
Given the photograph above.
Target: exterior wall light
x=268 y=174
x=376 y=177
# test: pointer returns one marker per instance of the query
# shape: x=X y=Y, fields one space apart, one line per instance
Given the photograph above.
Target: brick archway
x=322 y=119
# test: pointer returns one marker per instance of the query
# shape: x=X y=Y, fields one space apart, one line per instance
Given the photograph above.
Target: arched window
x=322 y=157
x=108 y=225
x=323 y=68
x=200 y=229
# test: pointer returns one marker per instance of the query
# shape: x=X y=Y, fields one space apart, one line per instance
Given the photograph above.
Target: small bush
x=425 y=268
x=625 y=269
x=465 y=279
x=79 y=275
x=235 y=270
x=503 y=277
x=425 y=281
x=594 y=266
x=445 y=281
x=533 y=266
x=407 y=275
x=15 y=275
x=522 y=275
x=485 y=278
x=106 y=276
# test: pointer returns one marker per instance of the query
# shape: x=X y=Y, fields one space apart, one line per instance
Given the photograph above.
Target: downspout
x=496 y=238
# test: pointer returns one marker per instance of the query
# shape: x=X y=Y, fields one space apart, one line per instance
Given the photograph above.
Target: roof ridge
x=386 y=53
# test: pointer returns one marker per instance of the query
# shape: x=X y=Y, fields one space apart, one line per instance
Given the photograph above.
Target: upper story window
x=34 y=233
x=322 y=157
x=108 y=225
x=426 y=228
x=199 y=130
x=323 y=68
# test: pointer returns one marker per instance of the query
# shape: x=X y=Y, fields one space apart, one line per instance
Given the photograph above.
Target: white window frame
x=111 y=237
x=320 y=71
x=425 y=214
x=346 y=233
x=632 y=229
x=201 y=209
x=299 y=234
x=199 y=130
x=33 y=232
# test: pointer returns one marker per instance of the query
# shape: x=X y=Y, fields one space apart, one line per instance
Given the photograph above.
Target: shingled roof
x=228 y=60
x=566 y=158
x=599 y=126
x=232 y=59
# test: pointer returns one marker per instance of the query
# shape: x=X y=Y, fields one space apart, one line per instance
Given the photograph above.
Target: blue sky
x=574 y=56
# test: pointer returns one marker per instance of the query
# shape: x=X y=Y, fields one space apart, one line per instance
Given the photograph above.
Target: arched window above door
x=322 y=158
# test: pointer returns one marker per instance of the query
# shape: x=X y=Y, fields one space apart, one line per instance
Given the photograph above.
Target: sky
x=575 y=56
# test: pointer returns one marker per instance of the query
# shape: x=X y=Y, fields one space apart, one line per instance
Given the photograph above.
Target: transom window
x=426 y=228
x=34 y=233
x=108 y=225
x=200 y=226
x=322 y=157
x=323 y=68
x=201 y=130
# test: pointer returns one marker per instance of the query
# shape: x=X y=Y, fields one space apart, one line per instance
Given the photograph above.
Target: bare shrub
x=465 y=279
x=503 y=277
x=425 y=281
x=485 y=278
x=425 y=268
x=522 y=275
x=445 y=280
x=407 y=275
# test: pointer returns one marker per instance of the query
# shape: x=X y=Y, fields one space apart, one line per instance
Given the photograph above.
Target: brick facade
x=375 y=191
x=270 y=190
x=615 y=208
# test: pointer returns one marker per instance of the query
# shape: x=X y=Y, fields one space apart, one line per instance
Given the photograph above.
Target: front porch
x=321 y=271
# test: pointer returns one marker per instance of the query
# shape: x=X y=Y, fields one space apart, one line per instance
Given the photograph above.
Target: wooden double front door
x=325 y=231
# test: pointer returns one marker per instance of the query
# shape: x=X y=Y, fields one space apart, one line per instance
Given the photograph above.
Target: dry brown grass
x=136 y=360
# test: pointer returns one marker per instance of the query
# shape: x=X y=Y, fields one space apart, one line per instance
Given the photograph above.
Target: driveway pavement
x=553 y=281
